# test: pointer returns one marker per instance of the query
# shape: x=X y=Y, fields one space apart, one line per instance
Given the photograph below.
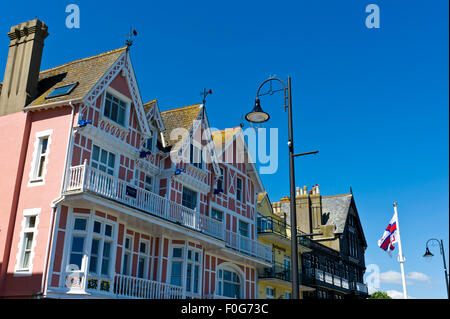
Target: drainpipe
x=54 y=206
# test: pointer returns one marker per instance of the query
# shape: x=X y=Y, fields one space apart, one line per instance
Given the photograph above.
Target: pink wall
x=38 y=196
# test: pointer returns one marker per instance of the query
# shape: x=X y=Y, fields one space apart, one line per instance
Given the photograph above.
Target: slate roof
x=335 y=210
x=87 y=72
x=182 y=117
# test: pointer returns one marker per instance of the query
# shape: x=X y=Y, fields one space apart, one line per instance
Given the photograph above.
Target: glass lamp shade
x=257 y=115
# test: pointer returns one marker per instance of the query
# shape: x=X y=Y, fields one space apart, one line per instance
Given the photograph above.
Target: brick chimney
x=22 y=65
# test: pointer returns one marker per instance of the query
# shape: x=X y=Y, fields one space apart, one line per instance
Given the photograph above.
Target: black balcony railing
x=270 y=225
x=277 y=271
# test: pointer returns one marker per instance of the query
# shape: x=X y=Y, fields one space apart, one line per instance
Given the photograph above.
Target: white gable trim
x=122 y=64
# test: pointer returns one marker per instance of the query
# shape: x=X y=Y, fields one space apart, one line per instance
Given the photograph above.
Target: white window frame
x=102 y=237
x=34 y=180
x=270 y=288
x=240 y=198
x=124 y=99
x=146 y=256
x=182 y=260
x=127 y=251
x=27 y=214
x=97 y=162
x=191 y=261
x=220 y=279
x=197 y=206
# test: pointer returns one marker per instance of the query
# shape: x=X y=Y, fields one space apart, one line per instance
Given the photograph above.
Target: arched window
x=229 y=283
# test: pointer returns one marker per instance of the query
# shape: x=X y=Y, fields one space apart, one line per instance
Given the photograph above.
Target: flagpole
x=401 y=259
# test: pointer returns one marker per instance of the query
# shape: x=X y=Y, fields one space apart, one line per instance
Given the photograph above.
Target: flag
x=389 y=236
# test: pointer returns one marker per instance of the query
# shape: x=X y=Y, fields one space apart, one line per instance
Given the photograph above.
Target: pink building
x=94 y=203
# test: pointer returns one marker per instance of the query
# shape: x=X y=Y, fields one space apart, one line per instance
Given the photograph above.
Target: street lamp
x=257 y=115
x=428 y=254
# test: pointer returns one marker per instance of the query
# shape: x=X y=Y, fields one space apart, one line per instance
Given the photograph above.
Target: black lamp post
x=428 y=254
x=257 y=115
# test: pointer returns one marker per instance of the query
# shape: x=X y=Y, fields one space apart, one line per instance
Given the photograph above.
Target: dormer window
x=115 y=109
x=196 y=157
x=149 y=142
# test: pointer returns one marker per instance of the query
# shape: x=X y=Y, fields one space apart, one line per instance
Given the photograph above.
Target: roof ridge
x=84 y=59
x=183 y=107
x=342 y=195
x=152 y=101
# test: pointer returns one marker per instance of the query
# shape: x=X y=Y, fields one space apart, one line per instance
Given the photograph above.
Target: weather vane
x=129 y=41
x=205 y=94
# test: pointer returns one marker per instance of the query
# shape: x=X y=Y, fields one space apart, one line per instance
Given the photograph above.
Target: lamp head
x=428 y=253
x=257 y=115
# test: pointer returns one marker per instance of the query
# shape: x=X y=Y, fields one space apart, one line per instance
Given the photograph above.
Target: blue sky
x=373 y=101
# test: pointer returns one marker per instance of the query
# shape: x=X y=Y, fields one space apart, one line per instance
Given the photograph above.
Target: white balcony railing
x=248 y=246
x=84 y=178
x=361 y=287
x=138 y=288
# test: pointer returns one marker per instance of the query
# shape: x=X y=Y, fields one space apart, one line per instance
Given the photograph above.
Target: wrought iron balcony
x=270 y=225
x=277 y=271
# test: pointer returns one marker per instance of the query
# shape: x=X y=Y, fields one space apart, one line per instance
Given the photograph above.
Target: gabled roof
x=335 y=211
x=182 y=117
x=222 y=139
x=87 y=72
x=151 y=110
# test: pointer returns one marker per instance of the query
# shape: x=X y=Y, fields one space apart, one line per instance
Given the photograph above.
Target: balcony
x=83 y=178
x=320 y=276
x=138 y=288
x=248 y=246
x=362 y=288
x=269 y=225
x=277 y=271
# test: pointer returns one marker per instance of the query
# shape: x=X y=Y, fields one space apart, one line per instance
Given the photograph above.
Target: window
x=193 y=271
x=244 y=232
x=189 y=198
x=220 y=184
x=142 y=271
x=101 y=249
x=243 y=228
x=29 y=234
x=229 y=283
x=115 y=109
x=78 y=241
x=62 y=90
x=239 y=189
x=127 y=255
x=287 y=295
x=216 y=214
x=39 y=164
x=176 y=273
x=196 y=157
x=149 y=142
x=270 y=293
x=103 y=160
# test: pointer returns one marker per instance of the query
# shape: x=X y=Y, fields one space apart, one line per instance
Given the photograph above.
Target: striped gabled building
x=107 y=196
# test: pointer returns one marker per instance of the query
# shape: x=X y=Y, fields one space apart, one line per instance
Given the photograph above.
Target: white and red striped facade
x=87 y=222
